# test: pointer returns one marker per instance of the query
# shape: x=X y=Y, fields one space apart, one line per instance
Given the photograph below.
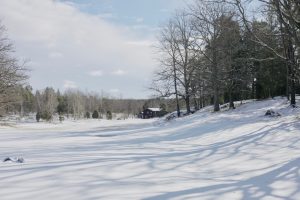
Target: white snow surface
x=238 y=154
x=154 y=109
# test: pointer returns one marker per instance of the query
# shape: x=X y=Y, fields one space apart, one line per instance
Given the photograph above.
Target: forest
x=216 y=52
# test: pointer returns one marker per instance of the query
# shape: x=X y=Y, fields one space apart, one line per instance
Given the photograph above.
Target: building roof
x=154 y=109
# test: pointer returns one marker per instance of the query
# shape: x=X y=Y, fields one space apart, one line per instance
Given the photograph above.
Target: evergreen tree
x=95 y=114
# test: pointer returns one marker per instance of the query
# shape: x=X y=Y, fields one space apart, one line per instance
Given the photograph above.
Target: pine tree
x=95 y=114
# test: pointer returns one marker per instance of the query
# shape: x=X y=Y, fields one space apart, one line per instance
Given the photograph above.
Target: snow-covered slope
x=238 y=154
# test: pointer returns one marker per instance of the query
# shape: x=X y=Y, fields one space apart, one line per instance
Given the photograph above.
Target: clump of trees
x=212 y=52
x=46 y=103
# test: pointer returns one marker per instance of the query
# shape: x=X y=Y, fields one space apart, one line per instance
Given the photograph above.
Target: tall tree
x=229 y=45
x=166 y=79
x=12 y=73
x=185 y=55
x=207 y=23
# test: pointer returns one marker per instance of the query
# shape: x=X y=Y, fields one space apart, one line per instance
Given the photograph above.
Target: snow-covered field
x=238 y=154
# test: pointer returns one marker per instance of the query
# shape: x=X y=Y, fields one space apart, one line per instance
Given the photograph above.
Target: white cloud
x=114 y=91
x=108 y=16
x=69 y=84
x=119 y=72
x=145 y=43
x=55 y=55
x=96 y=73
x=164 y=10
x=44 y=31
x=139 y=20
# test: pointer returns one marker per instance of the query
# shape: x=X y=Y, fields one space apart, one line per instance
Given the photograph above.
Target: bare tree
x=177 y=60
x=76 y=103
x=12 y=73
x=165 y=82
x=185 y=55
x=208 y=27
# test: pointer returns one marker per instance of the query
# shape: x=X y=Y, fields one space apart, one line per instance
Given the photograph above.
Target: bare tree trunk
x=187 y=103
x=200 y=99
x=216 y=99
x=215 y=78
x=176 y=92
x=187 y=95
x=287 y=83
x=293 y=93
x=196 y=105
x=231 y=103
x=292 y=64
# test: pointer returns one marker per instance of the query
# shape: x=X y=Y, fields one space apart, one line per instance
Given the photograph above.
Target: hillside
x=238 y=154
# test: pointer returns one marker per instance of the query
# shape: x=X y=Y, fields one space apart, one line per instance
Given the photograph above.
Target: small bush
x=87 y=115
x=95 y=114
x=38 y=116
x=46 y=115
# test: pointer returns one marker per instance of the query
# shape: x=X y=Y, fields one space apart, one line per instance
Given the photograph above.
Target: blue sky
x=91 y=45
x=127 y=11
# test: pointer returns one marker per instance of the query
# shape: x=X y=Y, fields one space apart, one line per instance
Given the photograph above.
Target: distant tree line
x=77 y=105
x=211 y=53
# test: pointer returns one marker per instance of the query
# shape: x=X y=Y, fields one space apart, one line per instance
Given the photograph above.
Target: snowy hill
x=239 y=154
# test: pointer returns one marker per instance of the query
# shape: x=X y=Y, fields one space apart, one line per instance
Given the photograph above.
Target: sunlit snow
x=238 y=154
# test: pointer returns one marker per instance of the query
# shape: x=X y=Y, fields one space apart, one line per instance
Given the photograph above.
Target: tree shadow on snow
x=256 y=187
